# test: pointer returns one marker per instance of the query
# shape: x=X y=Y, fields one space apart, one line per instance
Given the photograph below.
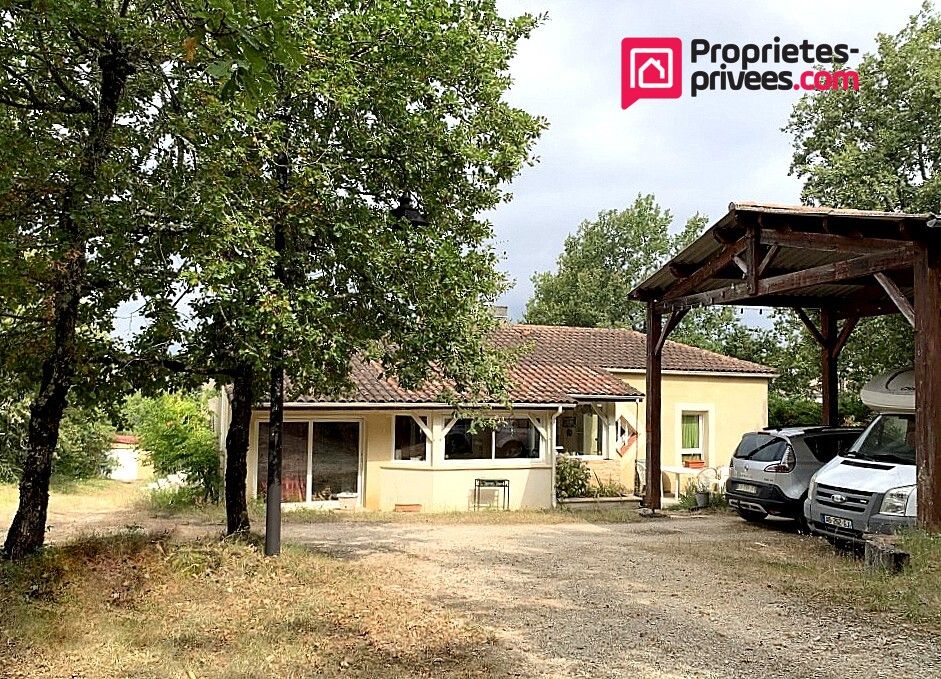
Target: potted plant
x=702 y=495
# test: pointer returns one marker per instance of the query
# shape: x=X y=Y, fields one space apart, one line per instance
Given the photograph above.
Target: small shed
x=845 y=264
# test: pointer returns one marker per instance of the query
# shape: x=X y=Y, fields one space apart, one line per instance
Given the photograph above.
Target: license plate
x=746 y=488
x=837 y=521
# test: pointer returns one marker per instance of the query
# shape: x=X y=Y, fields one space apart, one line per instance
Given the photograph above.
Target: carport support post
x=927 y=384
x=828 y=365
x=653 y=410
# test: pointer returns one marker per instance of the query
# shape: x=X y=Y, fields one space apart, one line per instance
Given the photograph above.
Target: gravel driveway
x=584 y=600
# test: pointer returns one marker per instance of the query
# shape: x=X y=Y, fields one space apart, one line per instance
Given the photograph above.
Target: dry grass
x=482 y=517
x=814 y=570
x=136 y=605
x=93 y=496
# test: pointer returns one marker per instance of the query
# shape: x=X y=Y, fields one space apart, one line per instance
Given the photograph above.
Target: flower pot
x=702 y=500
x=694 y=464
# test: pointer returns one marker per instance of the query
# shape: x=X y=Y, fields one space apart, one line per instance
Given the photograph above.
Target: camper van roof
x=893 y=391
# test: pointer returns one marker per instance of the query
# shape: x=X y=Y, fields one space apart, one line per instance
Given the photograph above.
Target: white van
x=871 y=487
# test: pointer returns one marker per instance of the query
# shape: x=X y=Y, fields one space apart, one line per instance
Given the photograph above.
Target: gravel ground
x=584 y=600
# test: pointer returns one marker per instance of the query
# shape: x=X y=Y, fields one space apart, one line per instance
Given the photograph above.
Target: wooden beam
x=753 y=259
x=675 y=317
x=741 y=264
x=768 y=259
x=708 y=269
x=827 y=242
x=815 y=332
x=654 y=415
x=836 y=272
x=927 y=384
x=897 y=296
x=848 y=326
x=828 y=370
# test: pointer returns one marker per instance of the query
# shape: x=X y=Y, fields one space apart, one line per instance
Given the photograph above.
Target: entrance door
x=335 y=459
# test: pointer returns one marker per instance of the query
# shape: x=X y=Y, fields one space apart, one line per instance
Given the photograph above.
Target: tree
x=311 y=265
x=876 y=148
x=605 y=259
x=89 y=125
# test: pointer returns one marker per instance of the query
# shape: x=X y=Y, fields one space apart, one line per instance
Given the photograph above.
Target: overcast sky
x=692 y=154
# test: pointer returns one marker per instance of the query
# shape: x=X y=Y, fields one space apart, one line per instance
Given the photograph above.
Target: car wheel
x=751 y=515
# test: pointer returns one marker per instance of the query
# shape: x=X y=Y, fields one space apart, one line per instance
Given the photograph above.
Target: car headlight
x=895 y=500
x=812 y=489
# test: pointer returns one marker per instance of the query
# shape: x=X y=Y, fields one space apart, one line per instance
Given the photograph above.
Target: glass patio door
x=319 y=460
x=335 y=459
x=294 y=460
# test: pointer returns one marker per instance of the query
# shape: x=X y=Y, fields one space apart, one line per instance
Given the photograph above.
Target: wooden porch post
x=928 y=385
x=654 y=414
x=828 y=365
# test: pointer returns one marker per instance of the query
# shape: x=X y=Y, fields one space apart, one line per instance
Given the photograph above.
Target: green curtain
x=691 y=432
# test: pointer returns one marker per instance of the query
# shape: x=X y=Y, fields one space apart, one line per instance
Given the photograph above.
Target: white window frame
x=604 y=425
x=310 y=420
x=707 y=419
x=490 y=462
x=426 y=430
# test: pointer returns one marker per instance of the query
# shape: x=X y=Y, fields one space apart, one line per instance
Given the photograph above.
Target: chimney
x=501 y=313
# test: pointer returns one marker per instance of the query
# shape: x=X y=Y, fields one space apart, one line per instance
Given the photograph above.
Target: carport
x=847 y=265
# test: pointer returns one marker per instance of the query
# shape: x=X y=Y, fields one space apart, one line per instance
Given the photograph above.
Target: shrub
x=572 y=477
x=83 y=451
x=176 y=435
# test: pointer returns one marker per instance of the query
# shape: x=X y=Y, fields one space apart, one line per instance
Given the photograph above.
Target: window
x=410 y=441
x=890 y=438
x=827 y=446
x=580 y=432
x=761 y=448
x=510 y=440
x=516 y=438
x=691 y=435
x=293 y=461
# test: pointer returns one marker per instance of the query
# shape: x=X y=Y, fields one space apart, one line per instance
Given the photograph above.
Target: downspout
x=552 y=453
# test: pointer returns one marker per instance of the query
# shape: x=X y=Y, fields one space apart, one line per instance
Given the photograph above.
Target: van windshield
x=890 y=438
x=761 y=448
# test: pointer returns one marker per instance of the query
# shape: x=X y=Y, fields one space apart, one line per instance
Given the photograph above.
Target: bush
x=176 y=435
x=572 y=477
x=83 y=451
x=786 y=411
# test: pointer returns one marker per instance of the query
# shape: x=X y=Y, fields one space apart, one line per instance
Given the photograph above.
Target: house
x=577 y=390
x=127 y=459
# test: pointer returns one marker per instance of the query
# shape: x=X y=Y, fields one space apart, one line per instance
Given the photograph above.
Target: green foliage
x=687 y=499
x=572 y=477
x=83 y=450
x=176 y=435
x=605 y=259
x=175 y=500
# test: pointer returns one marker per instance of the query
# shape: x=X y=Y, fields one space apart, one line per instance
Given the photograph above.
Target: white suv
x=771 y=469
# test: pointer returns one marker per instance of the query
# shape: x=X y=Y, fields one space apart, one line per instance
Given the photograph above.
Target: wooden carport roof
x=847 y=264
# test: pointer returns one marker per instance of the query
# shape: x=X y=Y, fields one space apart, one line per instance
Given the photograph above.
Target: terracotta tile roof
x=615 y=348
x=559 y=364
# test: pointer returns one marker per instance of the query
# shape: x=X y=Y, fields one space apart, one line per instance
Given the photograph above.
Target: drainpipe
x=552 y=451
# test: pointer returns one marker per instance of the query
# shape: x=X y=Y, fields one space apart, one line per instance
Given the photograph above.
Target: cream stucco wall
x=732 y=405
x=436 y=484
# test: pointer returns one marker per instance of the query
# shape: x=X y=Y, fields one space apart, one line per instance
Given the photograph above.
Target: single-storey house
x=575 y=390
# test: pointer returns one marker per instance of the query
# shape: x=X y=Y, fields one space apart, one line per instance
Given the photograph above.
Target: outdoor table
x=504 y=484
x=679 y=471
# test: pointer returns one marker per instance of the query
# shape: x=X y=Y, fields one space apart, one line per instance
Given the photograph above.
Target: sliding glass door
x=320 y=459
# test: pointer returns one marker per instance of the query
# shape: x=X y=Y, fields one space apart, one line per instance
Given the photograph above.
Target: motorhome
x=871 y=487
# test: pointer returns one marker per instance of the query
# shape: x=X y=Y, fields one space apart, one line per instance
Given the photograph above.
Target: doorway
x=320 y=460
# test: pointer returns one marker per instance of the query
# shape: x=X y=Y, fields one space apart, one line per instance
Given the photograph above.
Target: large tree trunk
x=28 y=530
x=236 y=452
